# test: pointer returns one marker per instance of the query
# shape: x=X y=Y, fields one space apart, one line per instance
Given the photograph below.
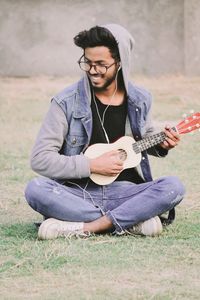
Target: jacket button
x=136 y=109
x=74 y=141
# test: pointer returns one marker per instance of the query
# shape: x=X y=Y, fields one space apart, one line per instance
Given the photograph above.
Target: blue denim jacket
x=75 y=102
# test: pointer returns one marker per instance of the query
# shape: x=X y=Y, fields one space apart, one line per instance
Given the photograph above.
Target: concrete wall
x=192 y=37
x=36 y=37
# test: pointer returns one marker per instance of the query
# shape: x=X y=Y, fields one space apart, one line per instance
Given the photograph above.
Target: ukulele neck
x=150 y=141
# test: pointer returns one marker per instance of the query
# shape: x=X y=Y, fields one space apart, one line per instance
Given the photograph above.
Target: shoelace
x=83 y=235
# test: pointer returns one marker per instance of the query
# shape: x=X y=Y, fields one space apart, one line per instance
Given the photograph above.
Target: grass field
x=101 y=267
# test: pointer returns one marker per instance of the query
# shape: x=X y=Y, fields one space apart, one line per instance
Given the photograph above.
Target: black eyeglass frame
x=95 y=66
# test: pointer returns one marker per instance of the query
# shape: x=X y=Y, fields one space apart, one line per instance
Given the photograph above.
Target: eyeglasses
x=99 y=68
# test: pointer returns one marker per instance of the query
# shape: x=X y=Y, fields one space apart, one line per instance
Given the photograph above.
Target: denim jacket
x=65 y=133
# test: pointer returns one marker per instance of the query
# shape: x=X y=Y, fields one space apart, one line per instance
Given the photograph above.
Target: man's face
x=100 y=55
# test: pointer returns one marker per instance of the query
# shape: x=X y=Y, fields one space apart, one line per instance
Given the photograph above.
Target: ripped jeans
x=123 y=202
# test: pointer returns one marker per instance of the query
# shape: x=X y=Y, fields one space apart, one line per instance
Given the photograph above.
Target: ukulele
x=130 y=150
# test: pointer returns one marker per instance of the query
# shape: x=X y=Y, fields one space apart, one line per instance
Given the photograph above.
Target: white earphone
x=119 y=67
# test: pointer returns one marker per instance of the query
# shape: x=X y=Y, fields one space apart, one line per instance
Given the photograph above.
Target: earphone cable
x=97 y=110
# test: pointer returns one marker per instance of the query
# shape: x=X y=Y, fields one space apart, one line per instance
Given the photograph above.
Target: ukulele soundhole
x=122 y=154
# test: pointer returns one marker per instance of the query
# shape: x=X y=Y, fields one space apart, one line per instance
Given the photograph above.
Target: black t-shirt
x=114 y=125
x=114 y=122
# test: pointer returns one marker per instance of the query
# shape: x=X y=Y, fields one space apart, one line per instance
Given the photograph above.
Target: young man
x=102 y=107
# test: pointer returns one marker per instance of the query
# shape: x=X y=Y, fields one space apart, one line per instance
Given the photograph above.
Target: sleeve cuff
x=82 y=166
x=161 y=152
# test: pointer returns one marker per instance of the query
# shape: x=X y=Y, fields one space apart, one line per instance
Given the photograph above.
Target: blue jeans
x=124 y=203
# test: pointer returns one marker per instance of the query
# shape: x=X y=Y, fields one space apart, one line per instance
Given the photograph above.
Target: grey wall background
x=36 y=36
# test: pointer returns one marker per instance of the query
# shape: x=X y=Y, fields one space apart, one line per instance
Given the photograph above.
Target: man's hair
x=97 y=36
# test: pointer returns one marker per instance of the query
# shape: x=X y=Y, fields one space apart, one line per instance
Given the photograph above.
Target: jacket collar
x=83 y=99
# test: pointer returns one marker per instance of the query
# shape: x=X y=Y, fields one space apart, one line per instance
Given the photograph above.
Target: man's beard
x=106 y=84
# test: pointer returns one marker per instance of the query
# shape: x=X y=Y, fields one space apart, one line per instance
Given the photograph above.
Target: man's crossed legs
x=88 y=207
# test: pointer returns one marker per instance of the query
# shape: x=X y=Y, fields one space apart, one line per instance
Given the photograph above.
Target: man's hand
x=108 y=164
x=172 y=138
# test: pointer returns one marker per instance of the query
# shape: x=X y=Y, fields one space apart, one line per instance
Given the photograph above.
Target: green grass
x=100 y=267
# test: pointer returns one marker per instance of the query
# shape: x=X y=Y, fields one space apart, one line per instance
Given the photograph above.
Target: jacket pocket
x=74 y=144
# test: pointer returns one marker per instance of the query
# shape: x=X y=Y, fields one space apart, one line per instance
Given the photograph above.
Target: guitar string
x=148 y=142
x=160 y=136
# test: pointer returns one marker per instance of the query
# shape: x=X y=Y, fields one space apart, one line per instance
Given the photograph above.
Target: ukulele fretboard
x=149 y=142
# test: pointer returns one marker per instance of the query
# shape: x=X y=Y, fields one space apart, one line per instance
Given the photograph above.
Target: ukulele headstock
x=189 y=123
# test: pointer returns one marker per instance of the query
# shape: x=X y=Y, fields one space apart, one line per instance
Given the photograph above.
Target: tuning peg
x=190 y=112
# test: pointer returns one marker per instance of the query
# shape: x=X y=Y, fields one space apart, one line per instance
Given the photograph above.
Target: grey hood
x=125 y=44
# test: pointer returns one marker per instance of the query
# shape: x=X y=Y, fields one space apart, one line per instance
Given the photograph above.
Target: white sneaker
x=53 y=228
x=151 y=227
